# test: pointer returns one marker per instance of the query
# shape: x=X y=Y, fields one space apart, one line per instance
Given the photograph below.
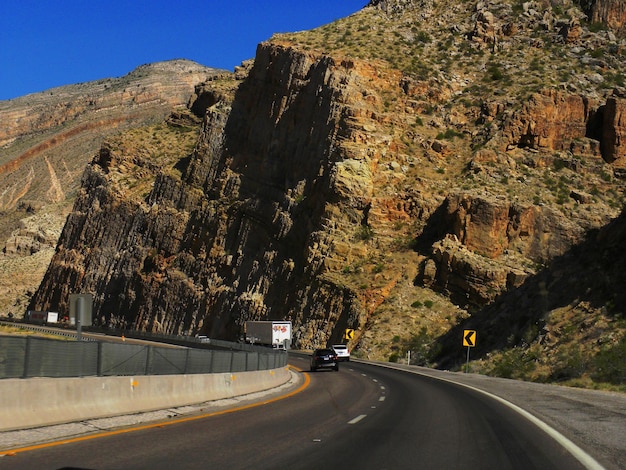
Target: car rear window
x=340 y=346
x=324 y=352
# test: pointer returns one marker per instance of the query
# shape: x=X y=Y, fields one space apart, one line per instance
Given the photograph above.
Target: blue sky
x=49 y=43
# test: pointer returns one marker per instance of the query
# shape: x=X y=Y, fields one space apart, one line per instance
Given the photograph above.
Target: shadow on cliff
x=593 y=271
x=436 y=228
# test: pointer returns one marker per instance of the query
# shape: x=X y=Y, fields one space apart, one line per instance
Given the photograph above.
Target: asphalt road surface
x=362 y=417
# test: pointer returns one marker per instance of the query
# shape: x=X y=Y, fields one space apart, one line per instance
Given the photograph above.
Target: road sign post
x=80 y=312
x=469 y=340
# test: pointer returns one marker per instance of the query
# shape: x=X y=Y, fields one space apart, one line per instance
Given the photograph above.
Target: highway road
x=363 y=416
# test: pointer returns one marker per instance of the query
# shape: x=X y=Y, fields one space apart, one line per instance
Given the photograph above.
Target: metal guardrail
x=26 y=357
x=43 y=329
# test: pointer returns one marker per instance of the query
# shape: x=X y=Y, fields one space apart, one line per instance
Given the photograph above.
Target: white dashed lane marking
x=357 y=419
x=381 y=399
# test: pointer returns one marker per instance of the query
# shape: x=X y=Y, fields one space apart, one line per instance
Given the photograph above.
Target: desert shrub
x=421 y=346
x=512 y=364
x=449 y=134
x=597 y=27
x=364 y=232
x=609 y=365
x=494 y=73
x=570 y=363
x=558 y=164
x=423 y=37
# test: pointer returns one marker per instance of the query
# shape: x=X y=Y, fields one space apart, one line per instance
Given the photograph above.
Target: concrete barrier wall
x=27 y=403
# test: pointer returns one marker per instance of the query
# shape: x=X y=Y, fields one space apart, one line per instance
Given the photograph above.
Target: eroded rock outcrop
x=34 y=234
x=611 y=13
x=493 y=245
x=560 y=121
x=550 y=120
x=614 y=131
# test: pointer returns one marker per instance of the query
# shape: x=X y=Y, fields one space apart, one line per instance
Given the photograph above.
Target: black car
x=326 y=357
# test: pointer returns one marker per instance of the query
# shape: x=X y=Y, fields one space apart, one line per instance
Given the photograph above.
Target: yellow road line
x=161 y=424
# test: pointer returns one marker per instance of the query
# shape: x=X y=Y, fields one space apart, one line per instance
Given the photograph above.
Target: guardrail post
x=187 y=361
x=148 y=360
x=211 y=362
x=26 y=357
x=99 y=358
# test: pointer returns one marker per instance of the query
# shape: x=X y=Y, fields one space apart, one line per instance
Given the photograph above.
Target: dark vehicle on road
x=324 y=358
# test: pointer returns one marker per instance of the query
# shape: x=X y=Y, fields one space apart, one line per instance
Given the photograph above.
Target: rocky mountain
x=47 y=138
x=416 y=169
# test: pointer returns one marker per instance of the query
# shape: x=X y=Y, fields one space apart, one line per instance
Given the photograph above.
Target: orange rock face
x=614 y=132
x=610 y=12
x=551 y=120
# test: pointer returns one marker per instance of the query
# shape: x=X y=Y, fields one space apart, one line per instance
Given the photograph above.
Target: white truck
x=41 y=318
x=276 y=334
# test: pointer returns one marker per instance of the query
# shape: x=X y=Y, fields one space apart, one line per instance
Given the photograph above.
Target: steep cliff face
x=365 y=176
x=248 y=230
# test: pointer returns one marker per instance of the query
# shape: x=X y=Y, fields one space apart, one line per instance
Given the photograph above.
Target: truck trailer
x=41 y=318
x=276 y=334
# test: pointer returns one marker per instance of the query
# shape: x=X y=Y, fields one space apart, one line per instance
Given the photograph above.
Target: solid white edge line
x=583 y=457
x=579 y=454
x=357 y=419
